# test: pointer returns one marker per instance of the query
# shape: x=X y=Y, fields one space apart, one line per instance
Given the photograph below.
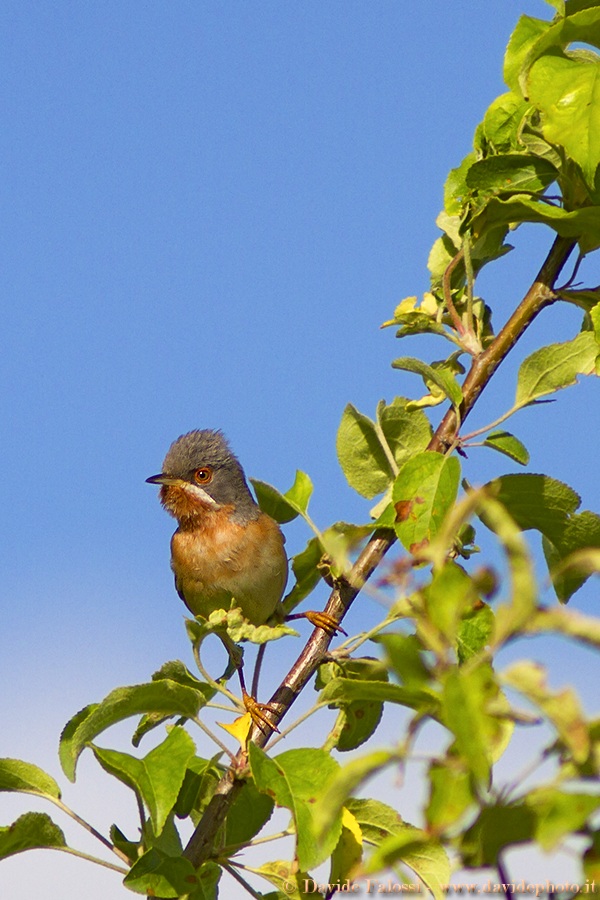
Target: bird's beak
x=163 y=479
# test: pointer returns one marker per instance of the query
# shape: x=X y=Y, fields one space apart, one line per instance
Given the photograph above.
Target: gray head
x=200 y=473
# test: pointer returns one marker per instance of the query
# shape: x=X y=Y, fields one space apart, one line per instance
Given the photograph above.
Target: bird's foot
x=257 y=713
x=320 y=620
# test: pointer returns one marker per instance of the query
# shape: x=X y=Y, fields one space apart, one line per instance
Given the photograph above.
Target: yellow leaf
x=239 y=728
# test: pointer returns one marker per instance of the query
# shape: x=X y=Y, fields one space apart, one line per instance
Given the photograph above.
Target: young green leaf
x=158 y=777
x=18 y=775
x=507 y=443
x=296 y=779
x=284 y=507
x=438 y=376
x=555 y=367
x=30 y=831
x=565 y=89
x=423 y=492
x=158 y=696
x=502 y=122
x=363 y=460
x=522 y=40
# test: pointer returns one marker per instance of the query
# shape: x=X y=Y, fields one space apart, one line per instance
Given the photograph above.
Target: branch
x=539 y=295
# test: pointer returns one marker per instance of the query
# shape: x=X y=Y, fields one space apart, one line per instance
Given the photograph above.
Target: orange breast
x=219 y=561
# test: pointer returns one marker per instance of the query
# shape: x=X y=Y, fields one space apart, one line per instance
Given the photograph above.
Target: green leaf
x=348 y=851
x=336 y=793
x=572 y=554
x=157 y=874
x=456 y=193
x=567 y=91
x=507 y=443
x=249 y=812
x=363 y=459
x=30 y=831
x=163 y=696
x=289 y=882
x=398 y=842
x=536 y=501
x=300 y=492
x=495 y=829
x=474 y=711
x=358 y=719
x=569 y=623
x=405 y=655
x=523 y=38
x=158 y=777
x=306 y=573
x=284 y=507
x=423 y=492
x=412 y=847
x=296 y=779
x=199 y=783
x=514 y=173
x=583 y=225
x=559 y=814
x=555 y=367
x=450 y=793
x=17 y=775
x=510 y=617
x=561 y=708
x=273 y=502
x=503 y=120
x=342 y=691
x=440 y=377
x=448 y=597
x=475 y=632
x=407 y=431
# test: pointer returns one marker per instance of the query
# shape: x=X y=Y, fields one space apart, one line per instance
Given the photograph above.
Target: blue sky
x=208 y=210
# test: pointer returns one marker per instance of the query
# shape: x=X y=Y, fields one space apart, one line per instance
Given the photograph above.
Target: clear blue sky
x=207 y=211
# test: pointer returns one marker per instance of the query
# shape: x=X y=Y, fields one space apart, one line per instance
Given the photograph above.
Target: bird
x=225 y=547
x=226 y=552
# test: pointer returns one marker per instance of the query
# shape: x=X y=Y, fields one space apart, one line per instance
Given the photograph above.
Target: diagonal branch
x=539 y=295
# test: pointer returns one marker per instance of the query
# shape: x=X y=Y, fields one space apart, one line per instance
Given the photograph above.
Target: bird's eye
x=203 y=475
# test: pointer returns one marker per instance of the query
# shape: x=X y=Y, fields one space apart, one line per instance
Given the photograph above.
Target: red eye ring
x=203 y=475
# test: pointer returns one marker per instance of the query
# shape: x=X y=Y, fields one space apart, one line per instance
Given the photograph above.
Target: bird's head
x=199 y=474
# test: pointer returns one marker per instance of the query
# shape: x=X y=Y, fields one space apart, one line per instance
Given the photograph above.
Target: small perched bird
x=225 y=548
x=226 y=552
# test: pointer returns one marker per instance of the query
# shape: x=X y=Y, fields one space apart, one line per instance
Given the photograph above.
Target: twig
x=447 y=288
x=100 y=837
